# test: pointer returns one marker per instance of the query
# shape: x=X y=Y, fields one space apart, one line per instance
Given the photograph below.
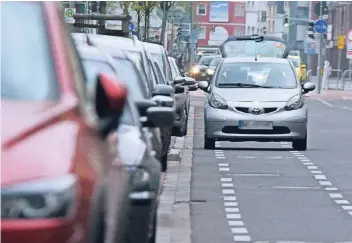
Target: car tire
x=164 y=163
x=181 y=131
x=209 y=143
x=152 y=238
x=300 y=144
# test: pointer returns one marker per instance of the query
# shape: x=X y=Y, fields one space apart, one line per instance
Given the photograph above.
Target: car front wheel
x=209 y=143
x=300 y=144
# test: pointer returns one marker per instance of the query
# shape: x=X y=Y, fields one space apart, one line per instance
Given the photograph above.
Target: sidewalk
x=335 y=91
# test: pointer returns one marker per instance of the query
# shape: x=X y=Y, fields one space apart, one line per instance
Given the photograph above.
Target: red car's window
x=28 y=72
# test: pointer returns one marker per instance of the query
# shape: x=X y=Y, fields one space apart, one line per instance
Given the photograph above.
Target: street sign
x=341 y=42
x=349 y=45
x=321 y=26
x=311 y=47
x=69 y=12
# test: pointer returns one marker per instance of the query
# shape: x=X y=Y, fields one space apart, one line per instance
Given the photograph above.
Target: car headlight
x=46 y=198
x=216 y=101
x=195 y=70
x=210 y=71
x=295 y=103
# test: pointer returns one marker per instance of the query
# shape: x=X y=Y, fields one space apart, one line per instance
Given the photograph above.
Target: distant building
x=256 y=17
x=216 y=21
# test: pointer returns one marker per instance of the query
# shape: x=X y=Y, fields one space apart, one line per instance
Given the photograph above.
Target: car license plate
x=258 y=125
x=203 y=74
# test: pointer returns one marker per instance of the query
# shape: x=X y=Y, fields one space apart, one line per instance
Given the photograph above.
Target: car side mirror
x=179 y=89
x=110 y=98
x=308 y=86
x=179 y=80
x=144 y=105
x=189 y=81
x=163 y=89
x=160 y=117
x=203 y=85
x=163 y=101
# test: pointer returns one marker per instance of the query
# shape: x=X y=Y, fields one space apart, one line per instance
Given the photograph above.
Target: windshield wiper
x=242 y=85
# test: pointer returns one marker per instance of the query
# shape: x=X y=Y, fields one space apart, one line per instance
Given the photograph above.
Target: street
x=265 y=192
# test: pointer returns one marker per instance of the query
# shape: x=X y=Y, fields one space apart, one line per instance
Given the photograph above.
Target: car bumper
x=40 y=230
x=224 y=125
x=201 y=76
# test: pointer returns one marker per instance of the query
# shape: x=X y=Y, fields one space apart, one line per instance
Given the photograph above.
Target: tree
x=137 y=6
x=165 y=7
x=147 y=8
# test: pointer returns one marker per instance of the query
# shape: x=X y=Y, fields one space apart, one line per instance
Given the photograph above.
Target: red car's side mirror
x=110 y=98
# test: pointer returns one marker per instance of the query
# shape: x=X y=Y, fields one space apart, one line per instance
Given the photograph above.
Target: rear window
x=27 y=68
x=269 y=75
x=205 y=60
x=215 y=61
x=265 y=48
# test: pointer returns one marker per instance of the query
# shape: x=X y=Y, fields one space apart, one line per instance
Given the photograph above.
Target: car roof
x=91 y=52
x=252 y=59
x=153 y=48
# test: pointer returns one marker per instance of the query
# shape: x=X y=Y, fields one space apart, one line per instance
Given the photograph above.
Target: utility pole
x=192 y=38
x=320 y=56
x=172 y=36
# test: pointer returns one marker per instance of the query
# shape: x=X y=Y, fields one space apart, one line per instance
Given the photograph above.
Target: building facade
x=216 y=21
x=256 y=17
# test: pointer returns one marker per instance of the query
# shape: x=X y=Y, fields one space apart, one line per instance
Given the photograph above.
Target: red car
x=60 y=180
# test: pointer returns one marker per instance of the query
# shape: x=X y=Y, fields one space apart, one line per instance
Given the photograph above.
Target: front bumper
x=200 y=76
x=224 y=125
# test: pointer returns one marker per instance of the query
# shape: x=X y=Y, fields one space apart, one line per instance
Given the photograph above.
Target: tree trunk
x=138 y=24
x=145 y=22
x=163 y=26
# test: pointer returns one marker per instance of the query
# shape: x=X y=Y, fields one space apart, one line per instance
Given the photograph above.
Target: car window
x=127 y=72
x=159 y=59
x=205 y=61
x=271 y=75
x=173 y=70
x=27 y=71
x=215 y=61
x=173 y=63
x=295 y=61
x=154 y=76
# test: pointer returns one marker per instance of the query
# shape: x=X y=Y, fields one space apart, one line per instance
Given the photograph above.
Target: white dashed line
x=223 y=164
x=230 y=198
x=323 y=181
x=228 y=191
x=239 y=230
x=236 y=223
x=232 y=210
x=227 y=184
x=233 y=216
x=231 y=204
x=226 y=179
x=224 y=169
x=242 y=238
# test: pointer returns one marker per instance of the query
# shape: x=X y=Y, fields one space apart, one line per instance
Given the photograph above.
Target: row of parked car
x=87 y=122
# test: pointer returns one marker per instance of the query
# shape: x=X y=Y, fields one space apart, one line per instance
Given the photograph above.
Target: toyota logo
x=256 y=111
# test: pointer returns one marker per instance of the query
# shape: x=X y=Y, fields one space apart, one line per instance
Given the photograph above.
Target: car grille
x=266 y=110
x=275 y=130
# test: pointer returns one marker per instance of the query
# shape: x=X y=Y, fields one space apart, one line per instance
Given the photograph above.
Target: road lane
x=273 y=194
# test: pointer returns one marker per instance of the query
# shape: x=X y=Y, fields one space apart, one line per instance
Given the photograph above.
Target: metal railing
x=343 y=79
x=331 y=80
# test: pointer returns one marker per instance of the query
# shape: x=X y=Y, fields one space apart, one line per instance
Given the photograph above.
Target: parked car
x=240 y=109
x=60 y=180
x=121 y=48
x=144 y=169
x=183 y=100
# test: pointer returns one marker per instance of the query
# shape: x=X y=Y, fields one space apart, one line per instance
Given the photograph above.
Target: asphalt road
x=266 y=192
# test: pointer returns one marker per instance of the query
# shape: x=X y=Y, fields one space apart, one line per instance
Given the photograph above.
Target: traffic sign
x=325 y=8
x=349 y=45
x=69 y=12
x=341 y=42
x=321 y=26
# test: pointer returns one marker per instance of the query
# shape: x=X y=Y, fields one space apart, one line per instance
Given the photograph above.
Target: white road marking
x=223 y=164
x=224 y=169
x=226 y=179
x=325 y=183
x=309 y=163
x=228 y=191
x=325 y=102
x=331 y=188
x=350 y=213
x=235 y=223
x=227 y=184
x=220 y=157
x=246 y=157
x=316 y=172
x=349 y=208
x=295 y=187
x=276 y=157
x=305 y=160
x=233 y=216
x=335 y=195
x=345 y=202
x=312 y=167
x=239 y=230
x=320 y=177
x=242 y=238
x=231 y=204
x=218 y=150
x=230 y=198
x=232 y=210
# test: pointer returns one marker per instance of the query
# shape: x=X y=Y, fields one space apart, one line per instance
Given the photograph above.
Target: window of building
x=248 y=30
x=202 y=31
x=273 y=26
x=274 y=10
x=253 y=30
x=239 y=10
x=269 y=25
x=258 y=16
x=258 y=31
x=201 y=9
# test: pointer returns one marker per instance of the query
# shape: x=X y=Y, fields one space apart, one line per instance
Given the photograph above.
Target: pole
x=320 y=61
x=192 y=36
x=172 y=36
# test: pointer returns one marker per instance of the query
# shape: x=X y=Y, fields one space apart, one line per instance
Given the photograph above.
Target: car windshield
x=295 y=61
x=215 y=61
x=27 y=71
x=265 y=48
x=252 y=74
x=93 y=68
x=205 y=60
x=127 y=72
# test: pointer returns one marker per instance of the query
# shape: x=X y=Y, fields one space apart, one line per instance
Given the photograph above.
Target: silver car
x=239 y=107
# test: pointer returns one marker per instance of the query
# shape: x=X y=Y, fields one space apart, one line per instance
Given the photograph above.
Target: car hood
x=255 y=94
x=32 y=133
x=212 y=67
x=201 y=67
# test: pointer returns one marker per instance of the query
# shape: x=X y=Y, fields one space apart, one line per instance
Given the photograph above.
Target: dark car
x=60 y=181
x=117 y=47
x=212 y=66
x=199 y=71
x=143 y=168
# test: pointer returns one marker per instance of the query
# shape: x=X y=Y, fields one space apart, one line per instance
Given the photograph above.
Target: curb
x=174 y=222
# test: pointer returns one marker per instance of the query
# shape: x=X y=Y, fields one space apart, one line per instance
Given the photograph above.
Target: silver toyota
x=243 y=107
